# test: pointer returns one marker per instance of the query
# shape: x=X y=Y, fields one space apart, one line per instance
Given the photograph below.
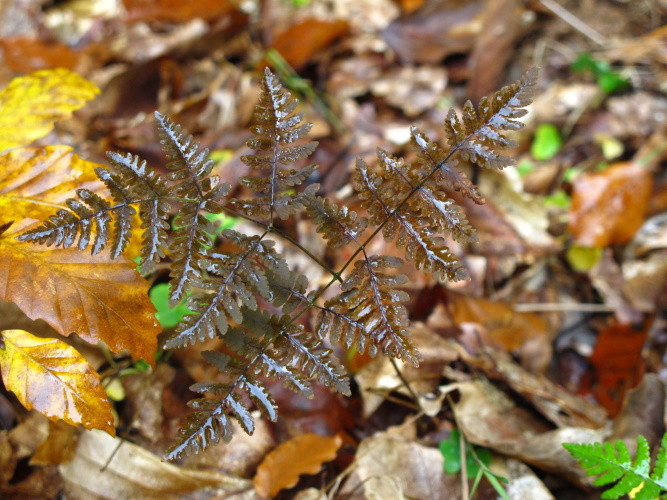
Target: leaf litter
x=197 y=66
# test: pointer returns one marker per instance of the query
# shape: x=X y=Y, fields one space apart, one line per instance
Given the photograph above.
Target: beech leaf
x=303 y=454
x=34 y=181
x=30 y=104
x=53 y=378
x=99 y=298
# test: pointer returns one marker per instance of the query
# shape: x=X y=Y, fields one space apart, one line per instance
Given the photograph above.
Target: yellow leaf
x=35 y=182
x=99 y=298
x=303 y=454
x=30 y=104
x=53 y=378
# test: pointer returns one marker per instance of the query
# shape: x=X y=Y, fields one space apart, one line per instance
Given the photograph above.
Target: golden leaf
x=52 y=377
x=303 y=454
x=99 y=298
x=36 y=181
x=30 y=104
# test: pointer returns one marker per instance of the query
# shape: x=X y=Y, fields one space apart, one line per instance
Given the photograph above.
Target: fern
x=242 y=291
x=612 y=463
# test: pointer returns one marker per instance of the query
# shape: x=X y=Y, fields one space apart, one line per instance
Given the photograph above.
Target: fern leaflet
x=612 y=463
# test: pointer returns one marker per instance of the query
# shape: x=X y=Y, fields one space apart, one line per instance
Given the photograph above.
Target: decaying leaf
x=133 y=472
x=176 y=10
x=303 y=454
x=608 y=207
x=34 y=181
x=54 y=379
x=618 y=363
x=31 y=104
x=99 y=298
x=391 y=466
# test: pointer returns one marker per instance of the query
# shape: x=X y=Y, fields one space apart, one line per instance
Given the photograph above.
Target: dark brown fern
x=247 y=294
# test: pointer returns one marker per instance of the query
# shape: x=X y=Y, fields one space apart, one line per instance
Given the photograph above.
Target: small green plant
x=612 y=463
x=609 y=81
x=546 y=143
x=477 y=460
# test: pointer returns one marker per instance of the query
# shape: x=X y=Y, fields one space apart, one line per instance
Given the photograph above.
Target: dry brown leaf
x=54 y=379
x=99 y=298
x=303 y=454
x=392 y=466
x=58 y=448
x=133 y=472
x=24 y=54
x=504 y=327
x=608 y=207
x=299 y=43
x=176 y=10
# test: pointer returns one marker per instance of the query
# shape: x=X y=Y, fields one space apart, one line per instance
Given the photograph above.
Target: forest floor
x=560 y=335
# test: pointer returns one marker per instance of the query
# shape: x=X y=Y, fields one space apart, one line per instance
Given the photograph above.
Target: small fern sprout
x=613 y=465
x=241 y=290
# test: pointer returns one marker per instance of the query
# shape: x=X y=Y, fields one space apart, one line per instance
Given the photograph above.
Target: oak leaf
x=303 y=454
x=31 y=104
x=52 y=377
x=99 y=298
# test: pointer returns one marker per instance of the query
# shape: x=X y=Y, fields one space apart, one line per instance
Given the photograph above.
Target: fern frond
x=232 y=280
x=368 y=313
x=276 y=130
x=382 y=198
x=293 y=346
x=280 y=353
x=130 y=184
x=338 y=225
x=612 y=463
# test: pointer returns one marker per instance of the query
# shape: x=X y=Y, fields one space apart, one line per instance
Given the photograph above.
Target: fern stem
x=271 y=228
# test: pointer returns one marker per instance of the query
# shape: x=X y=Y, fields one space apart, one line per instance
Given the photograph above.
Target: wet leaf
x=299 y=43
x=31 y=104
x=618 y=362
x=303 y=454
x=99 y=298
x=609 y=207
x=54 y=379
x=133 y=472
x=35 y=181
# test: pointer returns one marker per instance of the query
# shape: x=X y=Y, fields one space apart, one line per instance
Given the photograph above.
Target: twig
x=575 y=22
x=558 y=307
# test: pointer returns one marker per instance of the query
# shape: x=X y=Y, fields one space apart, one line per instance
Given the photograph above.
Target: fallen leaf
x=176 y=10
x=133 y=472
x=303 y=454
x=300 y=42
x=54 y=379
x=99 y=298
x=24 y=54
x=391 y=466
x=34 y=182
x=438 y=29
x=504 y=327
x=58 y=448
x=31 y=104
x=608 y=207
x=618 y=363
